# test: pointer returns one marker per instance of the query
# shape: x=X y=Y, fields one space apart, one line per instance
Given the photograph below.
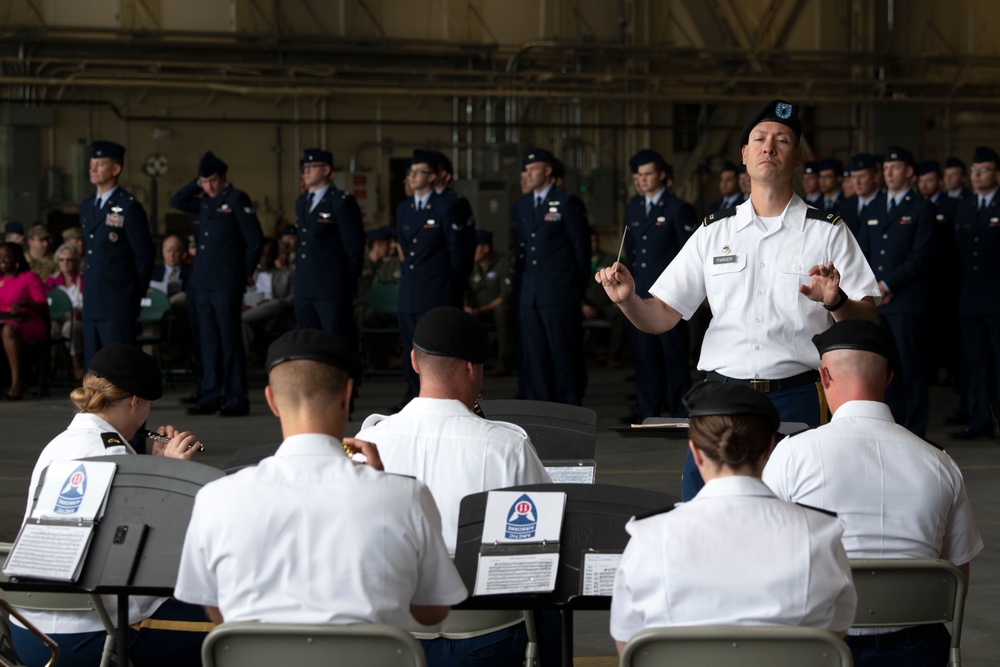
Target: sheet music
x=46 y=551
x=599 y=573
x=525 y=573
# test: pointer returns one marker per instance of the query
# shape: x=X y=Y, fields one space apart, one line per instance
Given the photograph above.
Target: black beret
x=317 y=155
x=537 y=155
x=13 y=228
x=128 y=368
x=861 y=335
x=558 y=168
x=383 y=233
x=729 y=166
x=829 y=164
x=442 y=161
x=706 y=399
x=810 y=167
x=314 y=345
x=898 y=154
x=451 y=332
x=775 y=111
x=950 y=162
x=929 y=167
x=107 y=149
x=862 y=161
x=484 y=237
x=211 y=165
x=421 y=156
x=985 y=154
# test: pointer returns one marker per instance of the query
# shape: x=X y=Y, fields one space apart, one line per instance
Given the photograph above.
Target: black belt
x=889 y=639
x=768 y=386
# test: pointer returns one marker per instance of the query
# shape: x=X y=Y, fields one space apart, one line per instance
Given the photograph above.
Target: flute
x=162 y=439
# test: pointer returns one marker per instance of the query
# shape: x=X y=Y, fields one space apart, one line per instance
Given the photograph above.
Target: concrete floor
x=26 y=426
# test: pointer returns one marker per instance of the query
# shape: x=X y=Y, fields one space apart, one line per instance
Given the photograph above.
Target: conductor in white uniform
x=736 y=554
x=899 y=497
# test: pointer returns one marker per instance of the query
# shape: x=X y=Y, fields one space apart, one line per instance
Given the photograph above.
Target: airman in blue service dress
x=898 y=247
x=460 y=216
x=860 y=207
x=330 y=251
x=436 y=256
x=118 y=254
x=729 y=186
x=551 y=238
x=659 y=224
x=978 y=237
x=229 y=242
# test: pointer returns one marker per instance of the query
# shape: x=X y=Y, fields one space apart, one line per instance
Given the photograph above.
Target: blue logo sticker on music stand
x=522 y=521
x=72 y=492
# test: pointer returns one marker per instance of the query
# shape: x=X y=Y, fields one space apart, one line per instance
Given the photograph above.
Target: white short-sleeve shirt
x=82 y=439
x=454 y=452
x=308 y=536
x=734 y=555
x=762 y=326
x=899 y=497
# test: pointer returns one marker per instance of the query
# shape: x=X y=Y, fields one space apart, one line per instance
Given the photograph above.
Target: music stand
x=136 y=547
x=248 y=457
x=594 y=520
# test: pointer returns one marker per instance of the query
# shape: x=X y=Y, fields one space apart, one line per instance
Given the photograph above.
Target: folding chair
x=910 y=591
x=59 y=306
x=736 y=646
x=266 y=644
x=381 y=300
x=557 y=431
x=155 y=319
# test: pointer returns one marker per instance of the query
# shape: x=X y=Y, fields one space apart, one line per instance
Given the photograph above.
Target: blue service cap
x=14 y=227
x=421 y=156
x=810 y=167
x=537 y=155
x=558 y=168
x=107 y=149
x=929 y=167
x=484 y=237
x=729 y=166
x=950 y=162
x=985 y=154
x=775 y=111
x=829 y=164
x=442 y=161
x=383 y=233
x=644 y=156
x=211 y=165
x=317 y=155
x=898 y=154
x=862 y=161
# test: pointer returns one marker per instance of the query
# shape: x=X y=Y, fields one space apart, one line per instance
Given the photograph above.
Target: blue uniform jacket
x=229 y=237
x=978 y=238
x=857 y=222
x=118 y=257
x=330 y=248
x=899 y=250
x=433 y=255
x=655 y=239
x=553 y=249
x=462 y=220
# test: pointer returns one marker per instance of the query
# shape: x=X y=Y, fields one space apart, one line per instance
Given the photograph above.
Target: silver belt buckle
x=763 y=386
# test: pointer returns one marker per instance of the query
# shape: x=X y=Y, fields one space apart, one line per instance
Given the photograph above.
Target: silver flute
x=162 y=439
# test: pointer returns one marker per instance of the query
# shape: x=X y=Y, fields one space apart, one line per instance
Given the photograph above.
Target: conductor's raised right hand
x=617 y=282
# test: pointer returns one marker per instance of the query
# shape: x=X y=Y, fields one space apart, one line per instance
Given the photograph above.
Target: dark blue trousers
x=98 y=333
x=919 y=646
x=334 y=316
x=224 y=364
x=408 y=325
x=799 y=404
x=662 y=375
x=981 y=356
x=907 y=395
x=552 y=342
x=504 y=648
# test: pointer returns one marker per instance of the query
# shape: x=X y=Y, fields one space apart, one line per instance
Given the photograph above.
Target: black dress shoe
x=969 y=433
x=233 y=411
x=202 y=410
x=190 y=400
x=957 y=420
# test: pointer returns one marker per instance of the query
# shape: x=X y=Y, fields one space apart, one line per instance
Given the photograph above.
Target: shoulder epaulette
x=719 y=215
x=818 y=509
x=112 y=439
x=652 y=513
x=816 y=214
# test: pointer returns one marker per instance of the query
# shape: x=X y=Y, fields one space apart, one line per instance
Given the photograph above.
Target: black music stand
x=248 y=457
x=557 y=430
x=594 y=520
x=136 y=547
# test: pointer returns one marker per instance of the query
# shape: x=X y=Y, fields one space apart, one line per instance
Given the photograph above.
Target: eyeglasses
x=419 y=171
x=982 y=170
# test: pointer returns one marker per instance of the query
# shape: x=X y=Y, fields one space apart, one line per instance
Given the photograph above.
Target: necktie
x=309 y=201
x=172 y=277
x=828 y=204
x=97 y=207
x=982 y=203
x=892 y=202
x=649 y=206
x=538 y=202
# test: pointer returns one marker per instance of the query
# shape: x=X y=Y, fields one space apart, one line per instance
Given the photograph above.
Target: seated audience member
x=380 y=254
x=269 y=311
x=69 y=280
x=734 y=554
x=39 y=240
x=488 y=298
x=74 y=236
x=267 y=543
x=22 y=311
x=438 y=439
x=118 y=390
x=287 y=241
x=13 y=232
x=898 y=496
x=173 y=275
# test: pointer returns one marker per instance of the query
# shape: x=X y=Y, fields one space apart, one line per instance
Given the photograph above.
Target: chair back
x=153 y=306
x=557 y=430
x=734 y=646
x=254 y=644
x=59 y=303
x=909 y=591
x=383 y=299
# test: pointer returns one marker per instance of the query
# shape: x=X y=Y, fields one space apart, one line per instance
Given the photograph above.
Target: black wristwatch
x=840 y=302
